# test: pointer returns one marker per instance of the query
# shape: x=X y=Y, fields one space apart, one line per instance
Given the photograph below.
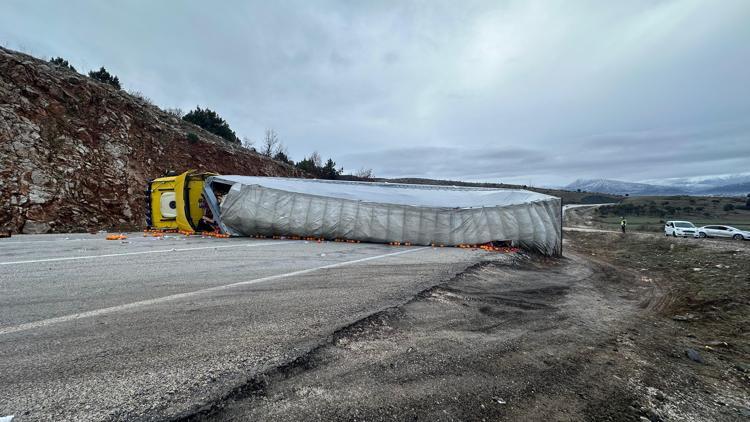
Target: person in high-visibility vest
x=623 y=224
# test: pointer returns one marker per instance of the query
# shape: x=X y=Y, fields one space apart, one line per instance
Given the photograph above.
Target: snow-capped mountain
x=620 y=187
x=726 y=185
x=701 y=183
x=738 y=189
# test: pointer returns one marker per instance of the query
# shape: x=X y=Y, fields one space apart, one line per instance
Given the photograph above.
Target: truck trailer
x=379 y=212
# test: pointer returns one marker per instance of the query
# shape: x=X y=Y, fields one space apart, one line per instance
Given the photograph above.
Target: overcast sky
x=514 y=91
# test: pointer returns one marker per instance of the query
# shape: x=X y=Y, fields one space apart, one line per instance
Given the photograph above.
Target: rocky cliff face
x=75 y=154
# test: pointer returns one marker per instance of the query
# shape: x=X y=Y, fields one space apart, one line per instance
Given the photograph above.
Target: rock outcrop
x=75 y=153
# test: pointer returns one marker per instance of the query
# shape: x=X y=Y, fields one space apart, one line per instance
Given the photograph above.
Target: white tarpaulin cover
x=389 y=212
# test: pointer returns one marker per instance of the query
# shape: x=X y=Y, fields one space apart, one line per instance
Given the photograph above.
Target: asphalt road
x=151 y=328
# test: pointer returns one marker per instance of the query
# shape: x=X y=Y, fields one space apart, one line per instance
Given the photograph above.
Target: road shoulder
x=529 y=340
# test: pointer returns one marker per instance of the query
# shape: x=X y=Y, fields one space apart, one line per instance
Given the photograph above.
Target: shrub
x=212 y=122
x=364 y=173
x=102 y=75
x=60 y=62
x=176 y=112
x=312 y=165
x=192 y=138
x=307 y=165
x=139 y=95
x=281 y=156
x=728 y=207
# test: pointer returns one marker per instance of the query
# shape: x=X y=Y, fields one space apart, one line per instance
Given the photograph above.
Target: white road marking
x=132 y=237
x=73 y=258
x=24 y=242
x=133 y=305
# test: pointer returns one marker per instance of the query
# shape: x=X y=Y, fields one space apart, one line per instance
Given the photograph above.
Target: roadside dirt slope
x=526 y=340
x=75 y=154
x=610 y=333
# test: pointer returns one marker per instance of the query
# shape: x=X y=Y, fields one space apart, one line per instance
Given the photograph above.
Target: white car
x=679 y=228
x=722 y=231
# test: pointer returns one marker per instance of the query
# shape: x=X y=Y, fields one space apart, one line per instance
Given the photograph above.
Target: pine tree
x=103 y=76
x=59 y=61
x=329 y=170
x=212 y=122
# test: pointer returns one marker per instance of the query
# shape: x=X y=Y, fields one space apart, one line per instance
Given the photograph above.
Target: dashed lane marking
x=109 y=255
x=133 y=305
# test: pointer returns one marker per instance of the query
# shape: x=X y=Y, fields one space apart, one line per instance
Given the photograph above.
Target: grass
x=649 y=213
x=702 y=280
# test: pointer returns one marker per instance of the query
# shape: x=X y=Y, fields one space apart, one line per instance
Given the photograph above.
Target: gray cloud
x=527 y=91
x=628 y=156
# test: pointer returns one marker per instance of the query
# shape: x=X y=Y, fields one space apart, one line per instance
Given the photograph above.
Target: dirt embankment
x=603 y=334
x=579 y=217
x=692 y=354
x=75 y=154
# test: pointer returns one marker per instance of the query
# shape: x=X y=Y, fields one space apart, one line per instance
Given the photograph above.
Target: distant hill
x=568 y=196
x=704 y=183
x=619 y=187
x=706 y=187
x=738 y=189
x=75 y=153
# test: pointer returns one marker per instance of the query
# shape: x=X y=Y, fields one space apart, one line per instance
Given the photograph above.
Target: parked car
x=679 y=228
x=722 y=231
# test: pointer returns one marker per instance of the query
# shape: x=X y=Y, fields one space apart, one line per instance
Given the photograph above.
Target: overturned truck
x=364 y=211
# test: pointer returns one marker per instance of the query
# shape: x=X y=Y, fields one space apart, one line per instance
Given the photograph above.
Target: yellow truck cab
x=176 y=202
